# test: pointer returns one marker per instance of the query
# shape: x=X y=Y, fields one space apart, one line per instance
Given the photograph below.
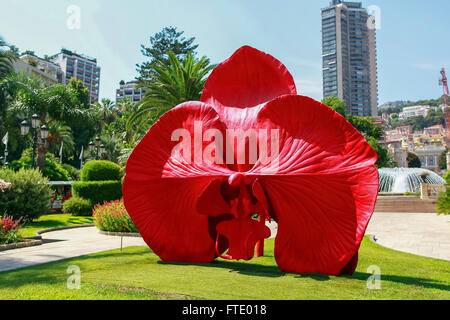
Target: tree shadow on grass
x=45 y=224
x=251 y=269
x=422 y=282
x=259 y=270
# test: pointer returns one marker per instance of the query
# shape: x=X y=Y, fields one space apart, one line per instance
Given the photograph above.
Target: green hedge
x=78 y=207
x=29 y=196
x=98 y=191
x=101 y=170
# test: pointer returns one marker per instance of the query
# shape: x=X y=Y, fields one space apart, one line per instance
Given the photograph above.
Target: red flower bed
x=113 y=217
x=9 y=230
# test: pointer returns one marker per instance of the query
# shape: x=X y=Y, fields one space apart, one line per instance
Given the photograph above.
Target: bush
x=446 y=177
x=74 y=173
x=9 y=230
x=443 y=203
x=29 y=195
x=52 y=170
x=113 y=217
x=101 y=170
x=78 y=207
x=98 y=191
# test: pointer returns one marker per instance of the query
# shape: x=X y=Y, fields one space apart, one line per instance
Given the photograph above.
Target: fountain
x=401 y=180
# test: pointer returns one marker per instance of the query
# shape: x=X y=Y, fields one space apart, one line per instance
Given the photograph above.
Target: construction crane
x=443 y=82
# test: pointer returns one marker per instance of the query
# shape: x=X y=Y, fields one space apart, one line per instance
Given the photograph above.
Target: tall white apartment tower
x=349 y=57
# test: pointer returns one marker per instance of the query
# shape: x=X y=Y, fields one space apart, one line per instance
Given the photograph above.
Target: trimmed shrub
x=29 y=195
x=113 y=217
x=101 y=170
x=78 y=207
x=98 y=191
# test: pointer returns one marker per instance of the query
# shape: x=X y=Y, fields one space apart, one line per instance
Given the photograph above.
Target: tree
x=336 y=104
x=81 y=92
x=31 y=53
x=174 y=82
x=106 y=109
x=169 y=39
x=443 y=160
x=6 y=60
x=384 y=159
x=413 y=161
x=14 y=51
x=60 y=133
x=368 y=129
x=57 y=103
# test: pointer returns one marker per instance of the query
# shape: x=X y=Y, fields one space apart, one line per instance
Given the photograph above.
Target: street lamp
x=44 y=132
x=35 y=123
x=97 y=147
x=24 y=127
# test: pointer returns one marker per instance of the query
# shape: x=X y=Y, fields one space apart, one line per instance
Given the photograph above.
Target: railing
x=431 y=191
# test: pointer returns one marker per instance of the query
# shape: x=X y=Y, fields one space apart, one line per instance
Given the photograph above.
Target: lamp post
x=97 y=147
x=25 y=129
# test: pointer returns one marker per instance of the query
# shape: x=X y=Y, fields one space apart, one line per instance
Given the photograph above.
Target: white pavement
x=62 y=245
x=423 y=234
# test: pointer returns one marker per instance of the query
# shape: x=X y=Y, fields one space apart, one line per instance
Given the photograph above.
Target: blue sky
x=412 y=43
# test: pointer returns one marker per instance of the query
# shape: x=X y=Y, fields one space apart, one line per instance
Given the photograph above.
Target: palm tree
x=174 y=82
x=6 y=60
x=51 y=103
x=107 y=109
x=6 y=67
x=59 y=133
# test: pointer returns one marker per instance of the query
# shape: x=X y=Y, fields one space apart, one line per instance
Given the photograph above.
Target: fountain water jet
x=401 y=180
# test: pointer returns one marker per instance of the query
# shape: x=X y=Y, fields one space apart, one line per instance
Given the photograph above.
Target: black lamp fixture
x=98 y=147
x=35 y=125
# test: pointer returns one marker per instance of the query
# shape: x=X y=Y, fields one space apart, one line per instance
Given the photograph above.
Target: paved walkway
x=423 y=234
x=62 y=245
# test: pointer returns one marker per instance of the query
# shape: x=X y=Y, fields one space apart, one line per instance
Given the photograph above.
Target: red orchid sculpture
x=194 y=194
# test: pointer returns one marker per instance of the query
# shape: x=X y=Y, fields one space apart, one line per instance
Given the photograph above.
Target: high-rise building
x=349 y=57
x=130 y=91
x=81 y=67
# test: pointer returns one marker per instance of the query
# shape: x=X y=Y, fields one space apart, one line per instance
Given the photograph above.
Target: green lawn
x=136 y=273
x=53 y=221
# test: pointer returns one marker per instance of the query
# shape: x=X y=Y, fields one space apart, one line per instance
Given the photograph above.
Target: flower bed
x=113 y=217
x=9 y=230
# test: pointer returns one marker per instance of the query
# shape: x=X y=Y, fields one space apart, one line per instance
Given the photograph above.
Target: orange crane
x=443 y=82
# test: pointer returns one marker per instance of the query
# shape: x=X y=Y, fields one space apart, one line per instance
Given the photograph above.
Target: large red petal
x=322 y=188
x=248 y=78
x=160 y=192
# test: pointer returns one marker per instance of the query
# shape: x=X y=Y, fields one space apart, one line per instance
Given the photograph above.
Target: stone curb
x=120 y=234
x=27 y=243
